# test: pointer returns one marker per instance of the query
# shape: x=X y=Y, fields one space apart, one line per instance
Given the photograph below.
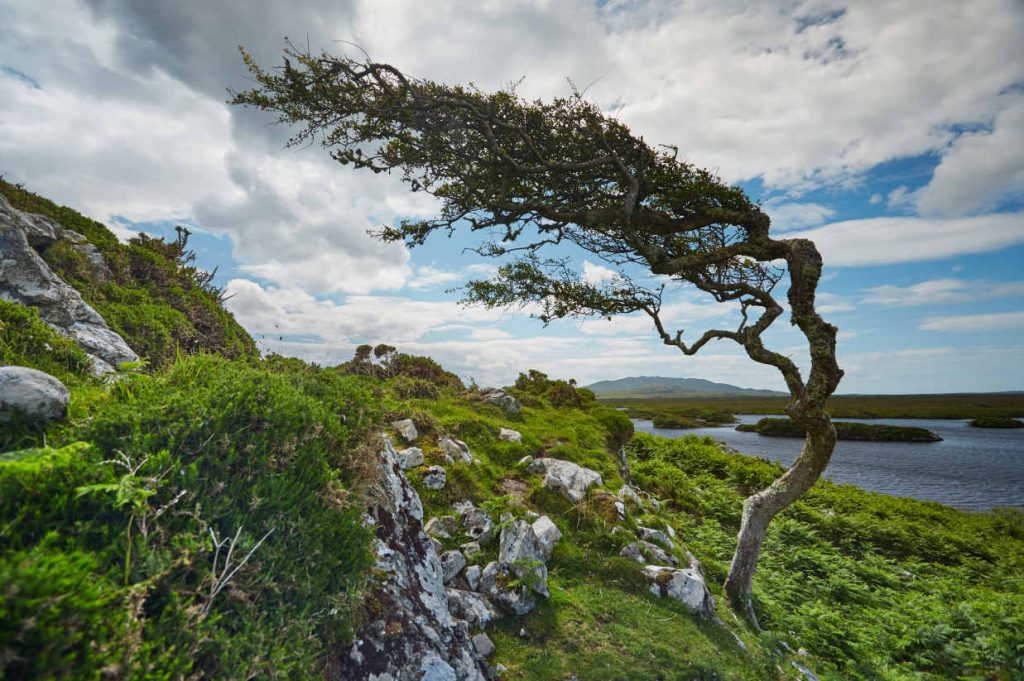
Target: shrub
x=210 y=450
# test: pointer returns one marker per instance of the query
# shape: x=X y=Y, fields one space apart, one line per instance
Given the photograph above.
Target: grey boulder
x=521 y=551
x=685 y=585
x=507 y=403
x=509 y=435
x=31 y=395
x=410 y=458
x=406 y=428
x=435 y=478
x=455 y=450
x=547 y=534
x=570 y=479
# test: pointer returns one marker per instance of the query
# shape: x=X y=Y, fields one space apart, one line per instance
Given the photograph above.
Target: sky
x=891 y=133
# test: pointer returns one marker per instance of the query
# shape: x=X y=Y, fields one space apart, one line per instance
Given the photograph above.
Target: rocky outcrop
x=435 y=477
x=31 y=395
x=520 y=550
x=570 y=479
x=498 y=397
x=407 y=429
x=685 y=585
x=455 y=450
x=547 y=536
x=509 y=435
x=410 y=458
x=414 y=635
x=25 y=278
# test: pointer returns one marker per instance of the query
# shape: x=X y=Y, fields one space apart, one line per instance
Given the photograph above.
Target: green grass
x=840 y=406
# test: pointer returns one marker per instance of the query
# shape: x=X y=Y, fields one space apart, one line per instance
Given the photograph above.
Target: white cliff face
x=415 y=635
x=25 y=278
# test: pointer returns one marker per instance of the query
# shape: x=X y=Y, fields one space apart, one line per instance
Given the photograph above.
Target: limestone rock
x=92 y=255
x=470 y=549
x=25 y=278
x=507 y=403
x=571 y=479
x=547 y=534
x=462 y=507
x=479 y=526
x=415 y=635
x=472 y=607
x=685 y=585
x=629 y=493
x=521 y=551
x=483 y=644
x=657 y=536
x=645 y=552
x=452 y=563
x=40 y=231
x=455 y=450
x=494 y=582
x=472 y=575
x=441 y=527
x=407 y=429
x=509 y=435
x=31 y=395
x=410 y=458
x=435 y=478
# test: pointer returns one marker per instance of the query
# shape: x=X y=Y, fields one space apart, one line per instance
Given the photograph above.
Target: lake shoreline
x=972 y=469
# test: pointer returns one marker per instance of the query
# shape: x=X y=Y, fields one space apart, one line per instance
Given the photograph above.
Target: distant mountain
x=664 y=387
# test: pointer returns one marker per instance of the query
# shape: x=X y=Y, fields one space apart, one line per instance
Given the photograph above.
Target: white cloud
x=996 y=321
x=888 y=240
x=277 y=311
x=942 y=291
x=901 y=198
x=598 y=274
x=981 y=169
x=426 y=277
x=787 y=216
x=831 y=303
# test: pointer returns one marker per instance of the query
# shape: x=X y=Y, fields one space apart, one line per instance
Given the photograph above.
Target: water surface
x=972 y=468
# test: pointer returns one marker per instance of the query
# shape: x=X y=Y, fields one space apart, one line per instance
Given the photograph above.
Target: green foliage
x=619 y=426
x=26 y=340
x=560 y=394
x=161 y=465
x=154 y=297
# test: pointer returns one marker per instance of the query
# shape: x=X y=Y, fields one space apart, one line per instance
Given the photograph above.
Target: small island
x=703 y=420
x=779 y=427
x=996 y=422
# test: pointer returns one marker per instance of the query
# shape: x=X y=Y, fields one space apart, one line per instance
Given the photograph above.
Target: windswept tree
x=534 y=178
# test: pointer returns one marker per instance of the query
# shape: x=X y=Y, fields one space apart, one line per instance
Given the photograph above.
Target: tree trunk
x=760 y=508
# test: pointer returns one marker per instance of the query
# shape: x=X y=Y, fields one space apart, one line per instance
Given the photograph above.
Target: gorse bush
x=166 y=466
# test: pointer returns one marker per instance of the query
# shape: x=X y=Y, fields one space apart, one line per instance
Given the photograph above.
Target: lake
x=972 y=468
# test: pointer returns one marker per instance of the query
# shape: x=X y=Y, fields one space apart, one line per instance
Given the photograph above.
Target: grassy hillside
x=155 y=298
x=950 y=406
x=112 y=521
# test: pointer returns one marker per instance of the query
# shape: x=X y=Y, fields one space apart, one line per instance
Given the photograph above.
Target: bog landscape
x=390 y=384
